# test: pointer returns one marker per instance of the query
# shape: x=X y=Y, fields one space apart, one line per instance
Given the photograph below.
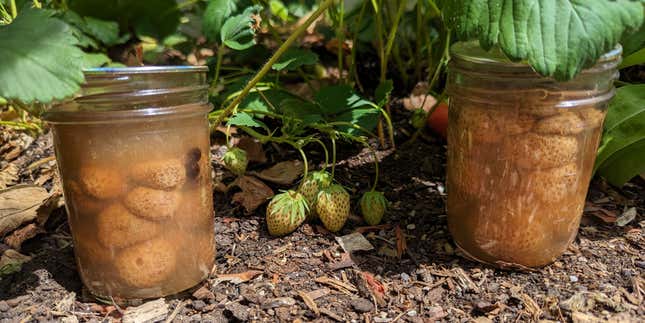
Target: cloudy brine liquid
x=139 y=199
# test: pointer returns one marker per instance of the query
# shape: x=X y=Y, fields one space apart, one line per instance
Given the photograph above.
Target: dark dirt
x=307 y=276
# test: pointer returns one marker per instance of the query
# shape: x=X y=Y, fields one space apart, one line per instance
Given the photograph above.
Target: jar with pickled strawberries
x=521 y=149
x=133 y=153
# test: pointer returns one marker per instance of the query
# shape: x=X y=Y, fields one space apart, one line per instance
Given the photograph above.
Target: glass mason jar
x=133 y=154
x=521 y=149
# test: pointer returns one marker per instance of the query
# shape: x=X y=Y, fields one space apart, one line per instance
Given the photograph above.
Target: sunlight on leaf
x=237 y=32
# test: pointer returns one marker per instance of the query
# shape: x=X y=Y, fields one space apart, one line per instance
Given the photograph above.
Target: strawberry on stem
x=333 y=207
x=311 y=186
x=373 y=205
x=286 y=212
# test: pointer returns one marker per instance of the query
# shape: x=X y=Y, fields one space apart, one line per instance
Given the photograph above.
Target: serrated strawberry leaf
x=95 y=60
x=558 y=38
x=382 y=93
x=244 y=119
x=620 y=155
x=294 y=58
x=238 y=32
x=365 y=118
x=214 y=16
x=40 y=59
x=338 y=98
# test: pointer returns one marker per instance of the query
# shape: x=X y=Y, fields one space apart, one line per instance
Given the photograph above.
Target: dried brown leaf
x=8 y=175
x=18 y=205
x=254 y=151
x=401 y=244
x=309 y=302
x=237 y=278
x=15 y=239
x=419 y=98
x=354 y=242
x=283 y=173
x=254 y=193
x=377 y=289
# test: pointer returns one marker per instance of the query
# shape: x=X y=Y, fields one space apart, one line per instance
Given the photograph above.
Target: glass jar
x=521 y=149
x=133 y=154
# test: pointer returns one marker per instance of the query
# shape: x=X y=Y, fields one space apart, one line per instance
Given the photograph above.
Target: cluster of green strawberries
x=316 y=197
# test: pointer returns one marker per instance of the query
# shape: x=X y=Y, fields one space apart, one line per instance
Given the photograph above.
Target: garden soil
x=410 y=272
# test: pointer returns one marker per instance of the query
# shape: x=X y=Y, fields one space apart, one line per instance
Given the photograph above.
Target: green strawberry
x=235 y=160
x=333 y=207
x=418 y=118
x=311 y=186
x=286 y=212
x=373 y=206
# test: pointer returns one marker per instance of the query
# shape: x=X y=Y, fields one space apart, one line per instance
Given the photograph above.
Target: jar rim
x=145 y=70
x=470 y=52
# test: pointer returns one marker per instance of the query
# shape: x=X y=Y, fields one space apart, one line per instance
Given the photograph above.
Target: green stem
x=390 y=128
x=306 y=164
x=325 y=150
x=353 y=125
x=373 y=152
x=353 y=71
x=340 y=35
x=392 y=35
x=418 y=44
x=379 y=39
x=444 y=59
x=272 y=60
x=13 y=9
x=333 y=156
x=218 y=65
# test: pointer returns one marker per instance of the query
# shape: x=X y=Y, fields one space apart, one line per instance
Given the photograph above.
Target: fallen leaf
x=16 y=238
x=309 y=302
x=354 y=242
x=626 y=217
x=254 y=193
x=237 y=278
x=8 y=175
x=283 y=173
x=254 y=151
x=419 y=98
x=401 y=244
x=11 y=262
x=376 y=288
x=18 y=205
x=153 y=311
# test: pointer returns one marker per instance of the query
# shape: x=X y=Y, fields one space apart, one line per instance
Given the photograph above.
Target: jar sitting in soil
x=133 y=153
x=521 y=149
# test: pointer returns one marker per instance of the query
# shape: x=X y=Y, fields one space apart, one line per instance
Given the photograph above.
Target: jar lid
x=127 y=92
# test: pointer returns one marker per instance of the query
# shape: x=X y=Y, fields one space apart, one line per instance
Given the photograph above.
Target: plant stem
x=325 y=150
x=220 y=55
x=13 y=9
x=391 y=36
x=333 y=156
x=373 y=152
x=273 y=59
x=340 y=35
x=444 y=59
x=352 y=67
x=304 y=160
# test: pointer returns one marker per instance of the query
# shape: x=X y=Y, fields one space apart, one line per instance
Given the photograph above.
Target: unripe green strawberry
x=333 y=207
x=286 y=212
x=311 y=186
x=418 y=118
x=373 y=206
x=235 y=160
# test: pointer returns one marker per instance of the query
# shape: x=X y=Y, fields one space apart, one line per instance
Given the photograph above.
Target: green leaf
x=294 y=58
x=153 y=18
x=279 y=9
x=40 y=60
x=366 y=118
x=237 y=32
x=95 y=60
x=338 y=98
x=306 y=111
x=624 y=132
x=633 y=42
x=216 y=12
x=383 y=91
x=244 y=119
x=634 y=59
x=106 y=32
x=624 y=164
x=557 y=37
